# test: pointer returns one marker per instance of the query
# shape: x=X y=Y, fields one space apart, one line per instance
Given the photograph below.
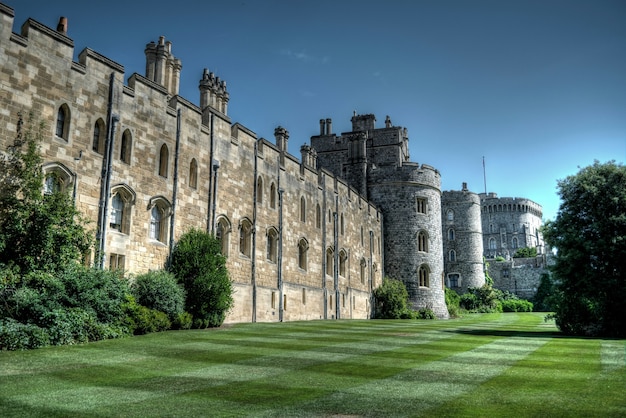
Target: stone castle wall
x=520 y=276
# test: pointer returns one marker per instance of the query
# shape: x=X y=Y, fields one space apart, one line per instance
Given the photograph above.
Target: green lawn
x=489 y=365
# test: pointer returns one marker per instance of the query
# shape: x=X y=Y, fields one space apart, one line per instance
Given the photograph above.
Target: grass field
x=489 y=365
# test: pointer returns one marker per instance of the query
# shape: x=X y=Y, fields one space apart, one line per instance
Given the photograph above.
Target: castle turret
x=162 y=67
x=282 y=136
x=213 y=92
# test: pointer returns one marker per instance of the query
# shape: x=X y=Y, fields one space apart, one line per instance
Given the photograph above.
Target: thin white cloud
x=303 y=56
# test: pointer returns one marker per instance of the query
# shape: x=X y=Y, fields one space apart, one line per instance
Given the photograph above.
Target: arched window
x=51 y=184
x=514 y=243
x=454 y=280
x=492 y=243
x=452 y=256
x=98 y=136
x=450 y=234
x=126 y=146
x=362 y=270
x=222 y=233
x=450 y=215
x=63 y=122
x=272 y=245
x=259 y=190
x=273 y=196
x=330 y=261
x=164 y=156
x=160 y=210
x=423 y=273
x=343 y=258
x=422 y=241
x=123 y=197
x=57 y=178
x=193 y=174
x=302 y=209
x=303 y=248
x=318 y=216
x=245 y=237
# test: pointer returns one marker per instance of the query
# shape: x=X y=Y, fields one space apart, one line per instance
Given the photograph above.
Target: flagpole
x=484 y=175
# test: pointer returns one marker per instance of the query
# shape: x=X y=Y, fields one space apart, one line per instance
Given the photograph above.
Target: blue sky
x=536 y=87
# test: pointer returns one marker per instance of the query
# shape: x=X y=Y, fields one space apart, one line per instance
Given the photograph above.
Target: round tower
x=410 y=199
x=462 y=240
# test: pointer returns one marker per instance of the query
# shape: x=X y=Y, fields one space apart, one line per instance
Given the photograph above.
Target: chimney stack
x=62 y=26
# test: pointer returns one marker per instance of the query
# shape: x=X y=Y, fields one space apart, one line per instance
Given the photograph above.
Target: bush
x=199 y=266
x=516 y=305
x=159 y=290
x=453 y=300
x=182 y=321
x=391 y=300
x=525 y=252
x=15 y=335
x=425 y=313
x=141 y=320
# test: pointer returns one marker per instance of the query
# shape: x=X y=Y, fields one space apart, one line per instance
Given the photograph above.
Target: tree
x=198 y=264
x=526 y=252
x=37 y=231
x=391 y=299
x=589 y=234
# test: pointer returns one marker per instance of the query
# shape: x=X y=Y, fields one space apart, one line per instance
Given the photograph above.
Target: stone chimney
x=162 y=67
x=62 y=26
x=282 y=136
x=213 y=92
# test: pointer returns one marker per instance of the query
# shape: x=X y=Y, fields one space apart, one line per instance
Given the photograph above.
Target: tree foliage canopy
x=589 y=234
x=198 y=264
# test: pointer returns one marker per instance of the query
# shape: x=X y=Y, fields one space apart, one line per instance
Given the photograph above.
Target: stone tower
x=375 y=161
x=462 y=239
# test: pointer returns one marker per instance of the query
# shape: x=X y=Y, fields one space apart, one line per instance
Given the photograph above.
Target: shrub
x=525 y=252
x=159 y=290
x=426 y=313
x=516 y=305
x=141 y=320
x=182 y=321
x=15 y=335
x=199 y=266
x=453 y=300
x=391 y=300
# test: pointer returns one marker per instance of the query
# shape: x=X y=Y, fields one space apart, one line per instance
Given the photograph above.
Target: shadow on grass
x=509 y=333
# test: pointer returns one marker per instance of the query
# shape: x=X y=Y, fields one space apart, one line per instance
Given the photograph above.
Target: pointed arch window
x=514 y=243
x=126 y=146
x=451 y=235
x=99 y=133
x=57 y=178
x=492 y=243
x=122 y=200
x=303 y=249
x=343 y=260
x=272 y=245
x=160 y=210
x=222 y=234
x=245 y=238
x=273 y=196
x=62 y=129
x=423 y=273
x=330 y=261
x=452 y=256
x=450 y=215
x=164 y=156
x=422 y=241
x=362 y=270
x=193 y=174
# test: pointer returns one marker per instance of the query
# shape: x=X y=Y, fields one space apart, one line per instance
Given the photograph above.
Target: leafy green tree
x=391 y=299
x=545 y=291
x=525 y=252
x=37 y=231
x=198 y=264
x=159 y=290
x=589 y=234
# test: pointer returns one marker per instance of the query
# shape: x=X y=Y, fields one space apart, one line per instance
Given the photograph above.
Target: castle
x=307 y=238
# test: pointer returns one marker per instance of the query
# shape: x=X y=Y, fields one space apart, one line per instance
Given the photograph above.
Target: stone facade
x=146 y=164
x=520 y=276
x=462 y=240
x=510 y=223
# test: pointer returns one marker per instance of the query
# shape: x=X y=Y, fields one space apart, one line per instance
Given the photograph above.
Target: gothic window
x=362 y=270
x=303 y=248
x=450 y=215
x=51 y=184
x=492 y=243
x=273 y=196
x=422 y=241
x=193 y=174
x=160 y=210
x=302 y=209
x=126 y=146
x=343 y=258
x=452 y=256
x=330 y=261
x=451 y=234
x=245 y=238
x=117 y=211
x=98 y=136
x=259 y=190
x=222 y=234
x=123 y=197
x=164 y=156
x=272 y=245
x=420 y=205
x=454 y=280
x=57 y=178
x=63 y=122
x=423 y=273
x=514 y=243
x=318 y=216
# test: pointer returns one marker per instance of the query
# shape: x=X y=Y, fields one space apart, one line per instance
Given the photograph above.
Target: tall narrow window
x=330 y=261
x=342 y=225
x=126 y=146
x=259 y=190
x=160 y=210
x=51 y=184
x=492 y=243
x=303 y=248
x=98 y=136
x=63 y=122
x=245 y=238
x=423 y=274
x=451 y=234
x=272 y=245
x=302 y=209
x=514 y=243
x=318 y=216
x=420 y=205
x=164 y=156
x=117 y=212
x=422 y=241
x=362 y=270
x=273 y=196
x=123 y=197
x=193 y=174
x=453 y=280
x=222 y=234
x=452 y=256
x=343 y=258
x=155 y=223
x=450 y=215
